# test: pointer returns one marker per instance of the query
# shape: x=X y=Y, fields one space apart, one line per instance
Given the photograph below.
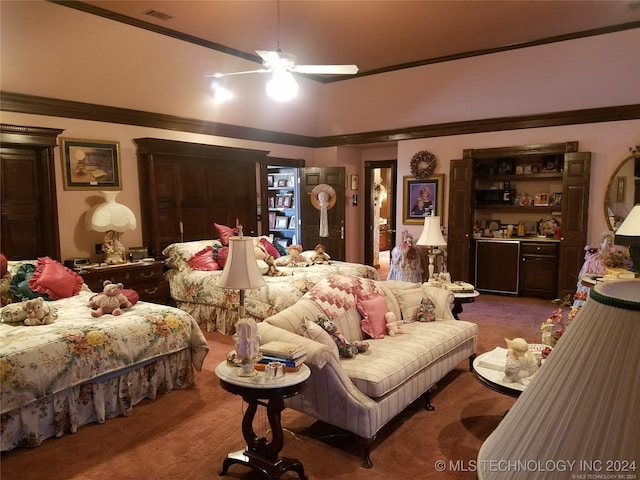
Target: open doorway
x=380 y=213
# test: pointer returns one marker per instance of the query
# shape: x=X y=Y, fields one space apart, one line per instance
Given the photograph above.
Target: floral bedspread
x=199 y=288
x=39 y=361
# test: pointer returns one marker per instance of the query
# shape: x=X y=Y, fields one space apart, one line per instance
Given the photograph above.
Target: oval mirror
x=623 y=192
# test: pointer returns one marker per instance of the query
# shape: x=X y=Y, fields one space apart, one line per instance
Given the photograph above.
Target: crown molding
x=21 y=103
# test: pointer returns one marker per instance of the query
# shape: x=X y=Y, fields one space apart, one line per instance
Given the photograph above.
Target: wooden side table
x=459 y=299
x=260 y=454
x=146 y=278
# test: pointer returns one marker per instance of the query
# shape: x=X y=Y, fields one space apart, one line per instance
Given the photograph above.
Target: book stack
x=290 y=354
x=459 y=287
x=618 y=274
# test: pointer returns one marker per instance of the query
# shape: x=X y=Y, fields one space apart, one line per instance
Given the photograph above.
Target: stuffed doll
x=39 y=312
x=319 y=255
x=346 y=349
x=273 y=271
x=111 y=300
x=293 y=259
x=393 y=324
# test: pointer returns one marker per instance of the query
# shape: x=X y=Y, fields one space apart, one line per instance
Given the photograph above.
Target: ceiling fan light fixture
x=220 y=94
x=282 y=87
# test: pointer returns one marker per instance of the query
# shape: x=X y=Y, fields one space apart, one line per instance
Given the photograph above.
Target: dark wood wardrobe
x=187 y=187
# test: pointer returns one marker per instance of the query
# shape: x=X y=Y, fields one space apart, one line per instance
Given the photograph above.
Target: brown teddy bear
x=39 y=312
x=111 y=300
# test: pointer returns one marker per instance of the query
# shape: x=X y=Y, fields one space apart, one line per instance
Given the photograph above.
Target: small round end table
x=261 y=454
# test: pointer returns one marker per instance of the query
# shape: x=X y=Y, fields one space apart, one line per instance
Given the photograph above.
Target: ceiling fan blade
x=220 y=75
x=270 y=58
x=326 y=69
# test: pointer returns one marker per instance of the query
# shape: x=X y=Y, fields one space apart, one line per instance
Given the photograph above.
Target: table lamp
x=580 y=415
x=431 y=237
x=241 y=270
x=628 y=234
x=113 y=218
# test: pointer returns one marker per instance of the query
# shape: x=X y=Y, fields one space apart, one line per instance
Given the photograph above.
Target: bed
x=216 y=309
x=80 y=369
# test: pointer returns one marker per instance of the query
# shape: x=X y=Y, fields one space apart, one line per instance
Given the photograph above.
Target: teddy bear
x=273 y=270
x=346 y=349
x=319 y=255
x=39 y=312
x=293 y=259
x=393 y=324
x=111 y=300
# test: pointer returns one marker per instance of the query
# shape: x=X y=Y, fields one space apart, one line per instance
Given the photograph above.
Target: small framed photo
x=287 y=201
x=282 y=222
x=527 y=169
x=519 y=169
x=282 y=182
x=292 y=223
x=541 y=200
x=90 y=164
x=280 y=201
x=535 y=169
x=272 y=220
x=355 y=182
x=526 y=201
x=269 y=180
x=506 y=166
x=555 y=200
x=272 y=202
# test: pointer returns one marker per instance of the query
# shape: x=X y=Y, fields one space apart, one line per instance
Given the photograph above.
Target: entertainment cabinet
x=540 y=186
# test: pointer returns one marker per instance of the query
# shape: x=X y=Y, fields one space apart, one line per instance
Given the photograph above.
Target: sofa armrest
x=316 y=351
x=442 y=298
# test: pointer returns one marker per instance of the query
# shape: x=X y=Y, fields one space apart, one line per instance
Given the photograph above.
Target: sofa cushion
x=315 y=332
x=409 y=300
x=390 y=361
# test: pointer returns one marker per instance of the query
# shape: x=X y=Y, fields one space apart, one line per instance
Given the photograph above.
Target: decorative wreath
x=423 y=164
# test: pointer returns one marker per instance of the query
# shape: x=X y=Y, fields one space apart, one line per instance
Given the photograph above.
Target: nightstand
x=146 y=278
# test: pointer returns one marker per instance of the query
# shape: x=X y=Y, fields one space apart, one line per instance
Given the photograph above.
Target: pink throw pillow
x=271 y=250
x=54 y=279
x=203 y=260
x=373 y=310
x=225 y=233
x=223 y=253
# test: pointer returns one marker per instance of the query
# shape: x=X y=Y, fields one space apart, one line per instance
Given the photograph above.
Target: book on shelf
x=280 y=349
x=289 y=362
x=261 y=367
x=496 y=359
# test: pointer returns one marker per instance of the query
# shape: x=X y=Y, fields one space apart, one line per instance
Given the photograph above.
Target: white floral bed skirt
x=94 y=401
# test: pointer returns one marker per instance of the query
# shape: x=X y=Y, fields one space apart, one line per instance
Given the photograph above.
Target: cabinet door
x=538 y=270
x=497 y=266
x=575 y=211
x=459 y=224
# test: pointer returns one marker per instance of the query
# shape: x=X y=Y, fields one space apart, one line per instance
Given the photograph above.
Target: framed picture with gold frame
x=422 y=197
x=90 y=164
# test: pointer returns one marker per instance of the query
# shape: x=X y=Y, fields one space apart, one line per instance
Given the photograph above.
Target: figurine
x=521 y=362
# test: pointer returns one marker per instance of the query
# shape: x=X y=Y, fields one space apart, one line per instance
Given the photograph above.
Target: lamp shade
x=431 y=234
x=583 y=405
x=629 y=232
x=241 y=270
x=110 y=215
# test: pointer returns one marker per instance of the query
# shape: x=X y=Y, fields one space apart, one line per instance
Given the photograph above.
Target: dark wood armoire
x=28 y=202
x=187 y=187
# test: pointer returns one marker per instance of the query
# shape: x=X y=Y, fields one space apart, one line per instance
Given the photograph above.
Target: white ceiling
x=375 y=34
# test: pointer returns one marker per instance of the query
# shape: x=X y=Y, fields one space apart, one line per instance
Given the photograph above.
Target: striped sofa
x=363 y=393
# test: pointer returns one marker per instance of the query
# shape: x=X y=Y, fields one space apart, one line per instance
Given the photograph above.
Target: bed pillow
x=224 y=233
x=203 y=260
x=55 y=280
x=268 y=246
x=281 y=250
x=20 y=283
x=223 y=253
x=373 y=310
x=179 y=254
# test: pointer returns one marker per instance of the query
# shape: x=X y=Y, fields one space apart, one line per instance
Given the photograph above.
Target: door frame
x=369 y=189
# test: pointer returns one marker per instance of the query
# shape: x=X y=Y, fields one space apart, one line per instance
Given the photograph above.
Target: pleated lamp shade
x=583 y=405
x=110 y=215
x=241 y=270
x=431 y=233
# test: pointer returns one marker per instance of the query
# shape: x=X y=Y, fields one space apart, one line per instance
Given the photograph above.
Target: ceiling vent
x=158 y=15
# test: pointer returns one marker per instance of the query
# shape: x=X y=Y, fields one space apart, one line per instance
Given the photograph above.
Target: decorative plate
x=423 y=164
x=547 y=226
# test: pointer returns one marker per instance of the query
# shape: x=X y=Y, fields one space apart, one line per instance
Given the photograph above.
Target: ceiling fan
x=282 y=86
x=277 y=60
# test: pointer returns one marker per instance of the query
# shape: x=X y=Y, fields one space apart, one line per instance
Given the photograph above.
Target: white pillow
x=409 y=300
x=315 y=332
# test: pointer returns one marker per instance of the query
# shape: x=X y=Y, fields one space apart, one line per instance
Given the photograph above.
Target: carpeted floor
x=187 y=434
